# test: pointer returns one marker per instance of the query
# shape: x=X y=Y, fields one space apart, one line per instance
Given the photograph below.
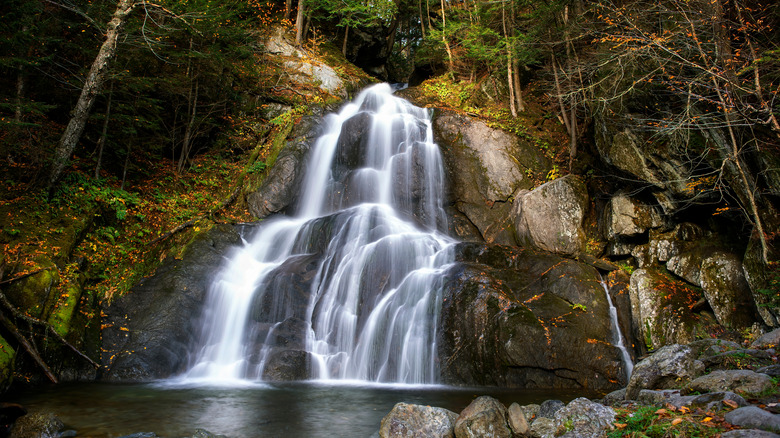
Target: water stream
x=351 y=284
x=617 y=335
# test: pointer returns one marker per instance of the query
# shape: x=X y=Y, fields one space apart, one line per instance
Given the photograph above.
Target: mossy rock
x=33 y=294
x=7 y=356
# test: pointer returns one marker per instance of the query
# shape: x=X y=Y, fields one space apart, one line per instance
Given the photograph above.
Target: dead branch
x=47 y=327
x=27 y=347
x=19 y=277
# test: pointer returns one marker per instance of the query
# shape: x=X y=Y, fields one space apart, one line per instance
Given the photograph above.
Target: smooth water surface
x=308 y=409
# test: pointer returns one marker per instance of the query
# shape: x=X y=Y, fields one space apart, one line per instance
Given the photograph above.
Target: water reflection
x=307 y=409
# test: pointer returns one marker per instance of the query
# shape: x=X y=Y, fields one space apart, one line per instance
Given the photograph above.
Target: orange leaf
x=676 y=421
x=706 y=419
x=621 y=425
x=730 y=403
x=661 y=411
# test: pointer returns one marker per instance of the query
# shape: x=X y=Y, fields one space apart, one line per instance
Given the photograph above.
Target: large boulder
x=668 y=367
x=416 y=421
x=485 y=416
x=661 y=305
x=485 y=168
x=627 y=217
x=149 y=331
x=550 y=216
x=744 y=382
x=514 y=317
x=722 y=279
x=763 y=281
x=582 y=418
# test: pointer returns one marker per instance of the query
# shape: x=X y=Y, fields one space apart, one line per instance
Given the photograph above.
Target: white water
x=617 y=336
x=364 y=244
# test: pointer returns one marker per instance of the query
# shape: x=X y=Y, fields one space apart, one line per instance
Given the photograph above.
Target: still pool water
x=309 y=409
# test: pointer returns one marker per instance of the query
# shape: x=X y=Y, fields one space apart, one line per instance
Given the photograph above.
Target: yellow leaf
x=706 y=419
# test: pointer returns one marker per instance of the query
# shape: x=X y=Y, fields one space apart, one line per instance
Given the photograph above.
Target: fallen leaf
x=676 y=421
x=706 y=419
x=661 y=411
x=731 y=403
x=685 y=409
x=621 y=425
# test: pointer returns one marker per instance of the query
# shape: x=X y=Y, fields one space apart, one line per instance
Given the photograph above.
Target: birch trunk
x=93 y=84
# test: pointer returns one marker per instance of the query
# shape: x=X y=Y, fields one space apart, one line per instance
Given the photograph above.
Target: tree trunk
x=509 y=62
x=102 y=140
x=344 y=45
x=186 y=145
x=287 y=9
x=299 y=19
x=444 y=37
x=92 y=87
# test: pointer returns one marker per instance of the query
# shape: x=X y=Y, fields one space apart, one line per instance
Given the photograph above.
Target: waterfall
x=351 y=284
x=617 y=336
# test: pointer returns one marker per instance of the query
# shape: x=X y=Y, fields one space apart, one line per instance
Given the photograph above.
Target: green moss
x=32 y=293
x=60 y=318
x=7 y=355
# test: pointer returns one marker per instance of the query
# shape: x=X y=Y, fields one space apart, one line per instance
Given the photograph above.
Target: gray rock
x=669 y=366
x=614 y=398
x=495 y=327
x=714 y=400
x=203 y=433
x=759 y=278
x=651 y=397
x=550 y=216
x=140 y=435
x=543 y=427
x=485 y=416
x=627 y=217
x=41 y=424
x=754 y=418
x=281 y=186
x=485 y=169
x=711 y=347
x=749 y=433
x=531 y=412
x=662 y=318
x=767 y=340
x=416 y=421
x=517 y=420
x=727 y=291
x=771 y=371
x=549 y=407
x=742 y=358
x=582 y=418
x=739 y=381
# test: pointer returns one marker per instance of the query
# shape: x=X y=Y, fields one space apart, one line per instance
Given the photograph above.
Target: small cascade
x=617 y=336
x=350 y=286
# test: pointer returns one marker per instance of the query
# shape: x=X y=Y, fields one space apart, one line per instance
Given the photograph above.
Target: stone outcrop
x=149 y=331
x=485 y=169
x=550 y=216
x=519 y=318
x=281 y=186
x=660 y=307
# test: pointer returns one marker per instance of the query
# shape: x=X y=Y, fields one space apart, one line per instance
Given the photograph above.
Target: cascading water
x=351 y=285
x=617 y=336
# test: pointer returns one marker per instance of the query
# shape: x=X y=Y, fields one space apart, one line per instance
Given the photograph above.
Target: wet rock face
x=519 y=318
x=485 y=168
x=281 y=186
x=550 y=216
x=150 y=330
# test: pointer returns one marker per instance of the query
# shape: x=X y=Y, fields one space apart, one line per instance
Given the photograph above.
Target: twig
x=11 y=280
x=27 y=347
x=17 y=314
